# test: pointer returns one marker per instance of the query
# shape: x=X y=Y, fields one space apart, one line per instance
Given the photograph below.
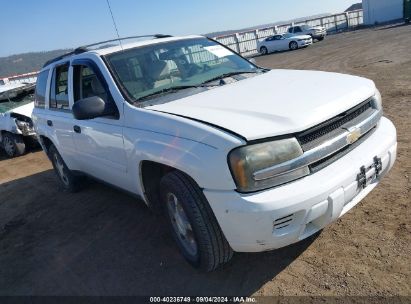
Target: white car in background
x=282 y=42
x=16 y=126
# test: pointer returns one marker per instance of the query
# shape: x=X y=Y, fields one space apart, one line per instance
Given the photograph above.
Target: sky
x=41 y=25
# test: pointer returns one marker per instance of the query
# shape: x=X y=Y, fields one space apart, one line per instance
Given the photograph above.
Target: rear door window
x=41 y=86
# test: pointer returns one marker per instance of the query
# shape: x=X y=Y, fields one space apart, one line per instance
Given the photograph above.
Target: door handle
x=49 y=123
x=77 y=129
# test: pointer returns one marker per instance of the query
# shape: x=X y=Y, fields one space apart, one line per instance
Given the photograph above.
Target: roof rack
x=157 y=36
x=84 y=48
x=75 y=52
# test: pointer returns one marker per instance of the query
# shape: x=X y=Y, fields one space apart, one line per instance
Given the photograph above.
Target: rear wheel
x=293 y=45
x=68 y=180
x=13 y=144
x=193 y=224
x=263 y=50
x=320 y=38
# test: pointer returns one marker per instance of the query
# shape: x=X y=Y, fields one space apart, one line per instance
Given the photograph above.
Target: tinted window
x=87 y=84
x=297 y=29
x=41 y=85
x=290 y=30
x=59 y=88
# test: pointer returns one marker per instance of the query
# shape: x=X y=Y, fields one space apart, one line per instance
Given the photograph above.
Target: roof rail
x=75 y=52
x=84 y=48
x=127 y=38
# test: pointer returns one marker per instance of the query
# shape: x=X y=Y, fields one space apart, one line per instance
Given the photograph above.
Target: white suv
x=238 y=159
x=316 y=32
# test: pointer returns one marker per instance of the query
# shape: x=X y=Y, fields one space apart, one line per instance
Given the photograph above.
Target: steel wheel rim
x=8 y=146
x=60 y=169
x=264 y=50
x=294 y=45
x=181 y=224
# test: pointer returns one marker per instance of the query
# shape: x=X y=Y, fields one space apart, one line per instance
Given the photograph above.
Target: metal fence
x=245 y=43
x=22 y=78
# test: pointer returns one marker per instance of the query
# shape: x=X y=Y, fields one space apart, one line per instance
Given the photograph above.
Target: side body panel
x=99 y=143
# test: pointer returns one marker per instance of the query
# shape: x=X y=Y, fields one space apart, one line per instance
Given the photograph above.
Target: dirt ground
x=104 y=242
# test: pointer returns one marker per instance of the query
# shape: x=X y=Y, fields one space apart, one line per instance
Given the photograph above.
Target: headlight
x=23 y=126
x=377 y=100
x=250 y=165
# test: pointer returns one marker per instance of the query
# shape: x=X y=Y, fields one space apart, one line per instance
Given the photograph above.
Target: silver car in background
x=282 y=42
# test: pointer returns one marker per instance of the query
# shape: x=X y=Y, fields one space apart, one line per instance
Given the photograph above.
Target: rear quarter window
x=41 y=86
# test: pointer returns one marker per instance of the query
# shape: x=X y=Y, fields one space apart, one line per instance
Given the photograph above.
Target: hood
x=25 y=110
x=275 y=103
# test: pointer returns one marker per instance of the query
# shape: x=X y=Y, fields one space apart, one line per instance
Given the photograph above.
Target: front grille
x=334 y=127
x=331 y=128
x=317 y=166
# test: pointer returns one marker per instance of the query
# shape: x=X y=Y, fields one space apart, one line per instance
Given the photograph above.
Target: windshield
x=145 y=71
x=15 y=103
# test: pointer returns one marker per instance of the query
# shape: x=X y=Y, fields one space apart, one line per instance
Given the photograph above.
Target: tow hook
x=362 y=176
x=377 y=165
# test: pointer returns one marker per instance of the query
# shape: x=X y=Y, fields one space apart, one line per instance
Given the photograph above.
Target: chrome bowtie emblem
x=354 y=135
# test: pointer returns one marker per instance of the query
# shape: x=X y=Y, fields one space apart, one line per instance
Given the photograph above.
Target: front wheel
x=320 y=38
x=263 y=50
x=13 y=144
x=193 y=224
x=293 y=45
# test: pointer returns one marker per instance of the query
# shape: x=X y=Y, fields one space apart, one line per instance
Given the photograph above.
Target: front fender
x=206 y=164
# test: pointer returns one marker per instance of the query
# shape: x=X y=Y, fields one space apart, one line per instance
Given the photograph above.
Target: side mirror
x=252 y=60
x=91 y=107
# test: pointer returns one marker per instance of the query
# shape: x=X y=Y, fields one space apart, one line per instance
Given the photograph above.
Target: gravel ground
x=104 y=242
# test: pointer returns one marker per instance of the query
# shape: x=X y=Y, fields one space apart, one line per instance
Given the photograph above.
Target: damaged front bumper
x=286 y=214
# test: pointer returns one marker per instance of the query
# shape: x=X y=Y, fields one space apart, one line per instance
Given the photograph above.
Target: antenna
x=114 y=23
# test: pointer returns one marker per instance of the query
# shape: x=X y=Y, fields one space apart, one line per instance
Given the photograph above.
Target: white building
x=378 y=11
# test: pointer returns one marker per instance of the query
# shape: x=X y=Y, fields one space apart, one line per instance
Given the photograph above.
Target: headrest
x=158 y=70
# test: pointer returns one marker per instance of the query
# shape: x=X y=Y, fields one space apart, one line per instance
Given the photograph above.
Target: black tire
x=213 y=249
x=13 y=144
x=293 y=45
x=320 y=38
x=263 y=50
x=69 y=181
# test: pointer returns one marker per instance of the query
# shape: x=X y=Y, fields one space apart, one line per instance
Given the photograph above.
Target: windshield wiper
x=222 y=76
x=168 y=90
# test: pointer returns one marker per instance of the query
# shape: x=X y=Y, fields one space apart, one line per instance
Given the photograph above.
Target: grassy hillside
x=25 y=63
